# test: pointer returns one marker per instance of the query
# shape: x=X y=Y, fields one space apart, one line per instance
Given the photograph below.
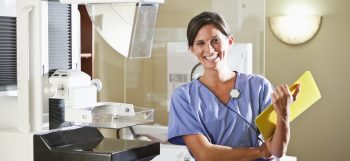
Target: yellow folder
x=308 y=95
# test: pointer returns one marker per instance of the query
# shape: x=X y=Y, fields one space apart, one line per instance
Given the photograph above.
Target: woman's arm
x=281 y=100
x=203 y=150
x=278 y=143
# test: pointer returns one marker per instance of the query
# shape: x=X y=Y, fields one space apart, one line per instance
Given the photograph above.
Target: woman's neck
x=214 y=76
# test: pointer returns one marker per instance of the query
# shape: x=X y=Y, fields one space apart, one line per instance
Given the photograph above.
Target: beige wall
x=322 y=132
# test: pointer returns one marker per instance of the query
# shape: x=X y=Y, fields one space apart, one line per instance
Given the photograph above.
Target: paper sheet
x=307 y=96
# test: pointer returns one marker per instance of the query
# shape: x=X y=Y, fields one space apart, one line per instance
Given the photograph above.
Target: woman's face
x=210 y=47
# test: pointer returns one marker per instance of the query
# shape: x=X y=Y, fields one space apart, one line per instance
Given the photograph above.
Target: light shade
x=295 y=30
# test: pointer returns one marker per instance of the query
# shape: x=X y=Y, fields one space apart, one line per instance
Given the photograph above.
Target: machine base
x=88 y=144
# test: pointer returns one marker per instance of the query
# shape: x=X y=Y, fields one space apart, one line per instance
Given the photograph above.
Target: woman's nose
x=209 y=48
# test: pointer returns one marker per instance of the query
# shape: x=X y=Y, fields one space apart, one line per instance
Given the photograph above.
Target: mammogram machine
x=48 y=107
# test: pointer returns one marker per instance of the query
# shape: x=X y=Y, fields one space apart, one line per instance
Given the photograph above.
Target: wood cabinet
x=87 y=37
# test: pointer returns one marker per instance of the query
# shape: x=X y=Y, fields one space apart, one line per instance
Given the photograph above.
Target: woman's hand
x=281 y=100
x=265 y=152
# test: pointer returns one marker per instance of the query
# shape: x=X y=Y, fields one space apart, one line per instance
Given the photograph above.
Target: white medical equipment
x=79 y=93
x=24 y=135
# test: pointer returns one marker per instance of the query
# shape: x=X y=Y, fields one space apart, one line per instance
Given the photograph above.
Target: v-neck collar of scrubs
x=232 y=101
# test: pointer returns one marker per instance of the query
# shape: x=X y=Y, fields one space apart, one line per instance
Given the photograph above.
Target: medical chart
x=307 y=96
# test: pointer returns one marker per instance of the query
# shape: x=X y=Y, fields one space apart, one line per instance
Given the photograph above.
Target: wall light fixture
x=294 y=30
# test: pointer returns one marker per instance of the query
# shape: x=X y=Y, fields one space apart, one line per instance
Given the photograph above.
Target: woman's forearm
x=278 y=143
x=281 y=100
x=203 y=150
x=223 y=153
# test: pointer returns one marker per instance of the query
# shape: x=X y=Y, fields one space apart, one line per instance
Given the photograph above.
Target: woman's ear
x=190 y=49
x=231 y=41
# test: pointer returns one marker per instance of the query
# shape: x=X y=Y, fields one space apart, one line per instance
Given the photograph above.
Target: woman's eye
x=215 y=40
x=200 y=43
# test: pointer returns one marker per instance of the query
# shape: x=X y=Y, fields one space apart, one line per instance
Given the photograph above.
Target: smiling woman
x=210 y=46
x=207 y=119
x=208 y=39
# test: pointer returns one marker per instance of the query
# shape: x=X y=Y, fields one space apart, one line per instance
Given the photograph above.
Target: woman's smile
x=212 y=57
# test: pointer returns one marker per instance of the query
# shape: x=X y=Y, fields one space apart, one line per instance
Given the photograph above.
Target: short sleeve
x=182 y=117
x=265 y=94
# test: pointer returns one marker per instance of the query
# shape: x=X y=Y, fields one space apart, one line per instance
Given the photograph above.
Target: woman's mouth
x=211 y=57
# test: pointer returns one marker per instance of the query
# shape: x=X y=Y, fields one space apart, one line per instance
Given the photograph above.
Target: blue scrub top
x=194 y=109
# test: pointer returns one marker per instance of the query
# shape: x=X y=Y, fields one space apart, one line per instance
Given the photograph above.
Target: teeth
x=212 y=57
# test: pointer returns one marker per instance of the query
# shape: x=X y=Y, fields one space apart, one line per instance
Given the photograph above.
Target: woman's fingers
x=286 y=90
x=296 y=92
x=274 y=98
x=282 y=98
x=283 y=91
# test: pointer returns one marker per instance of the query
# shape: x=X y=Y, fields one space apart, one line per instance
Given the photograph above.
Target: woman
x=213 y=124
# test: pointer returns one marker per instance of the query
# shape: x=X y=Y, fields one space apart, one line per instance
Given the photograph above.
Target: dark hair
x=203 y=19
